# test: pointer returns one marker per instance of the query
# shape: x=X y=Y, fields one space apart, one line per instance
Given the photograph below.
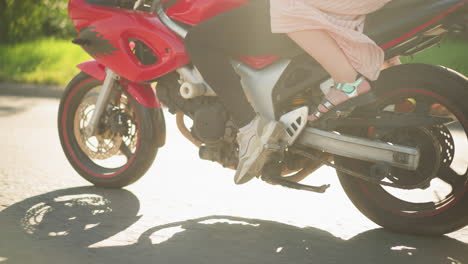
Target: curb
x=31 y=90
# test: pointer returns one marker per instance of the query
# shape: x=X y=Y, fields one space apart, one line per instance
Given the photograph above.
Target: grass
x=46 y=61
x=452 y=52
x=52 y=61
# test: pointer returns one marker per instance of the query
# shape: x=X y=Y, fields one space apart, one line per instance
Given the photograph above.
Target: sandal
x=351 y=90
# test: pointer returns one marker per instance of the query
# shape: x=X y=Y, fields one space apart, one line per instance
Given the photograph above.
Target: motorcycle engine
x=209 y=123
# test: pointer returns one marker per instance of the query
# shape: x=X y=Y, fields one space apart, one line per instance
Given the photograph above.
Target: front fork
x=110 y=83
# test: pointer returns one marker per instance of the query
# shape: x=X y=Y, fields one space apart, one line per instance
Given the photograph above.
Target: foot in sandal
x=342 y=97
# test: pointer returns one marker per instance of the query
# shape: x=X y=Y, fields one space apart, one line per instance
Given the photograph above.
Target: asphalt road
x=184 y=210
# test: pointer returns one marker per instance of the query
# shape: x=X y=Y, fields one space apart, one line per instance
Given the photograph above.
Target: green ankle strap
x=350 y=89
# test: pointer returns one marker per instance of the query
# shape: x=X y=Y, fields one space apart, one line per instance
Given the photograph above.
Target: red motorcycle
x=391 y=155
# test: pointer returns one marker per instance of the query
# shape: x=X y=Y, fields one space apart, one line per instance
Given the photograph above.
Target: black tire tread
x=434 y=79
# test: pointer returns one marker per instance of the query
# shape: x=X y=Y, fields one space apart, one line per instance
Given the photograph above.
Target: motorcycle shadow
x=58 y=227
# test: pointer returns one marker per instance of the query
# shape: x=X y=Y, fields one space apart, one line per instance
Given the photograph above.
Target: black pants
x=244 y=31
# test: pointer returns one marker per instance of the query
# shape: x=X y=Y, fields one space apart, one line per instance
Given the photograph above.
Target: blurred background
x=35 y=44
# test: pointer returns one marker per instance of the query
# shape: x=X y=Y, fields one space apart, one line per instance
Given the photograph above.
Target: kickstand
x=271 y=175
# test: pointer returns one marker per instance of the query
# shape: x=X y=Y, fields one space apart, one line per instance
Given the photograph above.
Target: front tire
x=420 y=89
x=119 y=154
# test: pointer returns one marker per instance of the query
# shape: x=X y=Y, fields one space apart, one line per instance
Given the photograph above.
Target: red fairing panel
x=94 y=69
x=259 y=62
x=114 y=27
x=145 y=94
x=193 y=12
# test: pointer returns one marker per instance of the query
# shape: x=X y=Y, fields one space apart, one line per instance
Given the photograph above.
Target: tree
x=3 y=23
x=29 y=19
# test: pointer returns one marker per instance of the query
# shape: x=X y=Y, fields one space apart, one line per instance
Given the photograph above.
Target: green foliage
x=30 y=19
x=452 y=52
x=45 y=61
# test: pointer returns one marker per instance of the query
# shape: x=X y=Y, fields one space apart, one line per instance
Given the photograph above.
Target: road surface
x=184 y=210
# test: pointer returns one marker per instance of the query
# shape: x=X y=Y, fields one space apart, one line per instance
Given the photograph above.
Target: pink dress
x=342 y=19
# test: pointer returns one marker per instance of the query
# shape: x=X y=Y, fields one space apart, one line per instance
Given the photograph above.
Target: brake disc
x=446 y=141
x=102 y=146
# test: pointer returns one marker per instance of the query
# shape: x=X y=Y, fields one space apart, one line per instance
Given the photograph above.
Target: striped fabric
x=342 y=19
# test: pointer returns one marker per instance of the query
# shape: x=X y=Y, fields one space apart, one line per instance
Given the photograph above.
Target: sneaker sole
x=271 y=135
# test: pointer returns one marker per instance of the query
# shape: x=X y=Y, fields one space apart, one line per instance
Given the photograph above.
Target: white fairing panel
x=258 y=85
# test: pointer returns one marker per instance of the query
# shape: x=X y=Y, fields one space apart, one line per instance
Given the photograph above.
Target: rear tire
x=381 y=205
x=148 y=138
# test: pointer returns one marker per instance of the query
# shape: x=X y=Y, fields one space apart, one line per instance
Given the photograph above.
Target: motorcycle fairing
x=145 y=94
x=100 y=47
x=116 y=28
x=259 y=62
x=93 y=68
x=258 y=85
x=195 y=12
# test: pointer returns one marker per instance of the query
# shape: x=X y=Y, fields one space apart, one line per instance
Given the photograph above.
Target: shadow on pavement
x=58 y=227
x=10 y=110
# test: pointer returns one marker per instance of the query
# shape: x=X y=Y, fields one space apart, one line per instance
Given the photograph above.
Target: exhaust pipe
x=360 y=148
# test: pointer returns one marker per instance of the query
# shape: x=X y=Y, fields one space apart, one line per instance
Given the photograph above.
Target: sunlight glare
x=400 y=248
x=226 y=221
x=89 y=226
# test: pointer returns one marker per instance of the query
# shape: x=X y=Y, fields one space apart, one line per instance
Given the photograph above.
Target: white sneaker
x=253 y=140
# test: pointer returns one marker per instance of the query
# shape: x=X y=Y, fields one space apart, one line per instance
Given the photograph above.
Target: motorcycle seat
x=399 y=17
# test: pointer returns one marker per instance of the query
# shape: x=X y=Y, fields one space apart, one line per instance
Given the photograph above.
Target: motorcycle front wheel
x=433 y=200
x=127 y=138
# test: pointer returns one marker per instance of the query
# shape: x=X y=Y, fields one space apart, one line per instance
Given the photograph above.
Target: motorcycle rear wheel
x=122 y=151
x=440 y=204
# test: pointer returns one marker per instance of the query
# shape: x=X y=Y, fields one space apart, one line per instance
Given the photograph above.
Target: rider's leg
x=243 y=31
x=324 y=49
x=215 y=68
